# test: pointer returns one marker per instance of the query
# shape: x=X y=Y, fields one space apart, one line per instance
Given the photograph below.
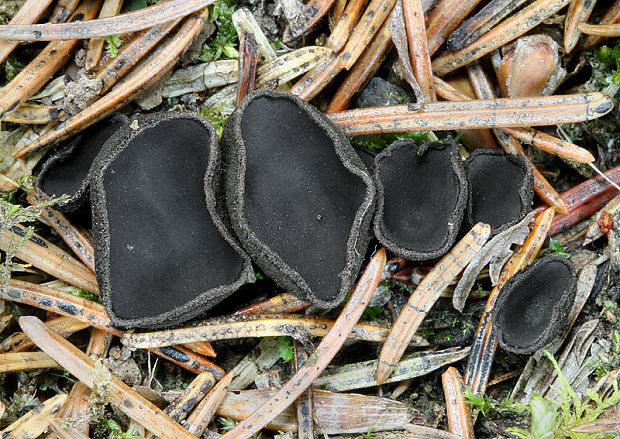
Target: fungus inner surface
x=66 y=175
x=420 y=196
x=528 y=310
x=495 y=188
x=164 y=248
x=299 y=198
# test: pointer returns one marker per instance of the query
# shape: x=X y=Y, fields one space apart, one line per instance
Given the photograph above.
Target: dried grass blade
x=492 y=113
x=480 y=360
x=457 y=411
x=104 y=27
x=321 y=357
x=425 y=295
x=17 y=361
x=78 y=364
x=363 y=375
x=36 y=421
x=336 y=413
x=153 y=69
x=513 y=27
x=200 y=418
x=29 y=13
x=224 y=328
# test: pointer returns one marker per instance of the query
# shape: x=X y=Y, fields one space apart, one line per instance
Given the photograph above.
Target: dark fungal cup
x=67 y=170
x=300 y=199
x=422 y=194
x=164 y=254
x=501 y=188
x=532 y=308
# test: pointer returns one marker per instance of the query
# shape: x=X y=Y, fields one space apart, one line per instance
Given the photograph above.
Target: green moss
x=112 y=44
x=12 y=67
x=224 y=43
x=217 y=119
x=285 y=349
x=379 y=141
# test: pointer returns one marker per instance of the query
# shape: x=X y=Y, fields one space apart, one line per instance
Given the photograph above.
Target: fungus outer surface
x=534 y=304
x=299 y=197
x=161 y=254
x=66 y=171
x=501 y=188
x=422 y=193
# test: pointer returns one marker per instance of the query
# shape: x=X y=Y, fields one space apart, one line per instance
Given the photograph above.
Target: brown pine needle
x=249 y=55
x=14 y=362
x=198 y=421
x=110 y=8
x=324 y=353
x=491 y=113
x=66 y=431
x=65 y=326
x=444 y=18
x=29 y=13
x=422 y=432
x=304 y=404
x=179 y=409
x=157 y=66
x=189 y=360
x=83 y=368
x=457 y=411
x=418 y=49
x=478 y=368
x=511 y=28
x=202 y=348
x=63 y=9
x=425 y=295
x=600 y=30
x=314 y=10
x=281 y=304
x=225 y=328
x=612 y=16
x=345 y=25
x=36 y=421
x=375 y=14
x=599 y=426
x=105 y=27
x=578 y=11
x=32 y=114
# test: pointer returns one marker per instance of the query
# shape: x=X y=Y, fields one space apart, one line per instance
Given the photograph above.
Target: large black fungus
x=300 y=199
x=501 y=188
x=164 y=252
x=422 y=194
x=66 y=171
x=532 y=308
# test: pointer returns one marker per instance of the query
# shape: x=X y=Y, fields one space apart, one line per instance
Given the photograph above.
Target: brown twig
x=365 y=68
x=154 y=68
x=578 y=11
x=225 y=328
x=104 y=27
x=110 y=8
x=82 y=367
x=457 y=411
x=480 y=360
x=375 y=14
x=346 y=24
x=29 y=13
x=493 y=113
x=425 y=296
x=327 y=349
x=42 y=67
x=198 y=421
x=314 y=10
x=511 y=28
x=444 y=18
x=73 y=237
x=418 y=49
x=249 y=54
x=611 y=16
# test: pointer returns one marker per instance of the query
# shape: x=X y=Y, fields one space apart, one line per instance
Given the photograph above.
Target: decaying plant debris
x=411 y=353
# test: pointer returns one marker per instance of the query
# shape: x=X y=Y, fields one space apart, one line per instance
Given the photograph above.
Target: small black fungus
x=67 y=170
x=532 y=308
x=164 y=252
x=501 y=188
x=300 y=199
x=422 y=194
